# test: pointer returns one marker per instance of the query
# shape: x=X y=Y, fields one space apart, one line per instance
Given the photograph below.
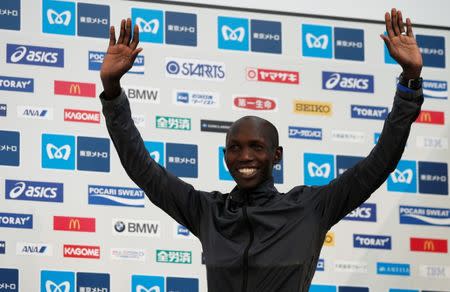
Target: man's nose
x=246 y=154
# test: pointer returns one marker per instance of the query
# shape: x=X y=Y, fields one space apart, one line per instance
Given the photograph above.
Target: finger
x=134 y=54
x=395 y=22
x=122 y=32
x=126 y=39
x=388 y=22
x=112 y=36
x=135 y=40
x=386 y=40
x=401 y=25
x=409 y=30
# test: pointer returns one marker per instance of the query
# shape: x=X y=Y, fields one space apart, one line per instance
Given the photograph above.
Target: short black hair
x=270 y=130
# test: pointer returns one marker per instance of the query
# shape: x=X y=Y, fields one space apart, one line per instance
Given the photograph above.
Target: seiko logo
x=229 y=34
x=320 y=42
x=313 y=108
x=54 y=17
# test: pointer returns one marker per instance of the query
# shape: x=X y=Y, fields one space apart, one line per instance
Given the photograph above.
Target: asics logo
x=319 y=171
x=52 y=287
x=155 y=156
x=17 y=190
x=229 y=34
x=320 y=42
x=18 y=54
x=403 y=177
x=140 y=288
x=54 y=152
x=333 y=81
x=151 y=26
x=63 y=18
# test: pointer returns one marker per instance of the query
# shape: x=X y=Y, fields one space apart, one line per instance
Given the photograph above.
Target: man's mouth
x=247 y=171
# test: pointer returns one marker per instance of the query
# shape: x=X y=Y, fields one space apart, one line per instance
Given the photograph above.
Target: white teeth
x=247 y=171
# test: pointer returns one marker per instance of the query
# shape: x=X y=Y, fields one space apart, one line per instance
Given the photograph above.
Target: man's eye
x=258 y=147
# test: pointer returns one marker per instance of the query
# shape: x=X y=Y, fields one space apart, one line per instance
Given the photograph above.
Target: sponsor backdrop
x=71 y=219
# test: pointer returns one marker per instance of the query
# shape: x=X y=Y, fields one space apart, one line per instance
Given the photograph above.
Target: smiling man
x=255 y=238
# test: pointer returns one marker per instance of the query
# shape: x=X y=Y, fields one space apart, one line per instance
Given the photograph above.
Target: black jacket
x=261 y=241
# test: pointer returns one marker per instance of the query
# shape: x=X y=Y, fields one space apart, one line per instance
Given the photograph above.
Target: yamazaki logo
x=431 y=117
x=255 y=103
x=75 y=88
x=428 y=245
x=84 y=116
x=81 y=251
x=79 y=224
x=269 y=75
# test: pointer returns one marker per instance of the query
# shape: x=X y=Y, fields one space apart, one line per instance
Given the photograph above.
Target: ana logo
x=431 y=117
x=34 y=191
x=77 y=224
x=147 y=283
x=33 y=55
x=428 y=245
x=369 y=112
x=83 y=116
x=433 y=178
x=318 y=169
x=270 y=75
x=34 y=112
x=266 y=36
x=403 y=178
x=81 y=251
x=255 y=103
x=349 y=44
x=367 y=212
x=16 y=84
x=13 y=220
x=75 y=88
x=57 y=281
x=10 y=15
x=432 y=49
x=347 y=82
x=182 y=159
x=150 y=23
x=232 y=33
x=371 y=241
x=9 y=280
x=58 y=17
x=435 y=89
x=195 y=69
x=142 y=94
x=395 y=269
x=305 y=133
x=181 y=28
x=316 y=41
x=93 y=20
x=424 y=216
x=38 y=249
x=9 y=148
x=115 y=196
x=313 y=108
x=133 y=227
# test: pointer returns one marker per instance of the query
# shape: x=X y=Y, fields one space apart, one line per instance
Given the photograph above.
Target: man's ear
x=278 y=155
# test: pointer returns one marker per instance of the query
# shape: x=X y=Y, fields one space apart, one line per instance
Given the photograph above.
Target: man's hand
x=119 y=57
x=402 y=45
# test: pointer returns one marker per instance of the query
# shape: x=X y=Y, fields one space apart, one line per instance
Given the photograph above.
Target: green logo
x=173 y=256
x=173 y=123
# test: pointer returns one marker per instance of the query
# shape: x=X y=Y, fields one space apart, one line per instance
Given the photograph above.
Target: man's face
x=250 y=153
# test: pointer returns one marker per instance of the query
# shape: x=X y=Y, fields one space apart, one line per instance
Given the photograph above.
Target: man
x=255 y=238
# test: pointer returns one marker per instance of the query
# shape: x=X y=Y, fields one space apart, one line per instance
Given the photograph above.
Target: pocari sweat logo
x=317 y=41
x=372 y=241
x=368 y=112
x=58 y=17
x=367 y=212
x=156 y=151
x=232 y=33
x=33 y=55
x=9 y=280
x=435 y=89
x=347 y=82
x=403 y=178
x=58 y=151
x=34 y=191
x=418 y=215
x=150 y=23
x=195 y=69
x=141 y=283
x=318 y=169
x=57 y=281
x=115 y=196
x=10 y=14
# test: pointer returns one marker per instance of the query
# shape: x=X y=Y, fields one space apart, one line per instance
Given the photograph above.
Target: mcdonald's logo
x=77 y=224
x=74 y=88
x=329 y=239
x=428 y=245
x=431 y=117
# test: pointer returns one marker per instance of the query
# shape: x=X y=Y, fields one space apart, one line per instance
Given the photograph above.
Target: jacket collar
x=257 y=196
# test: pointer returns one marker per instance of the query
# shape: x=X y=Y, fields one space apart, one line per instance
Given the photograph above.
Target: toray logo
x=147 y=283
x=403 y=178
x=316 y=41
x=347 y=82
x=10 y=83
x=369 y=112
x=57 y=281
x=371 y=241
x=10 y=15
x=34 y=191
x=9 y=280
x=435 y=89
x=424 y=216
x=367 y=212
x=150 y=23
x=58 y=17
x=33 y=55
x=13 y=220
x=318 y=169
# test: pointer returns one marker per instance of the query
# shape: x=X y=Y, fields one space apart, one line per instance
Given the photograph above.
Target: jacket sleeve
x=177 y=198
x=355 y=186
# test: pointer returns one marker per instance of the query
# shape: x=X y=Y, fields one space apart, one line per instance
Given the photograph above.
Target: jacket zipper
x=245 y=259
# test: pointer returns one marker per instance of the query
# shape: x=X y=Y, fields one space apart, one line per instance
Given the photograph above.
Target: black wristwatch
x=413 y=84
